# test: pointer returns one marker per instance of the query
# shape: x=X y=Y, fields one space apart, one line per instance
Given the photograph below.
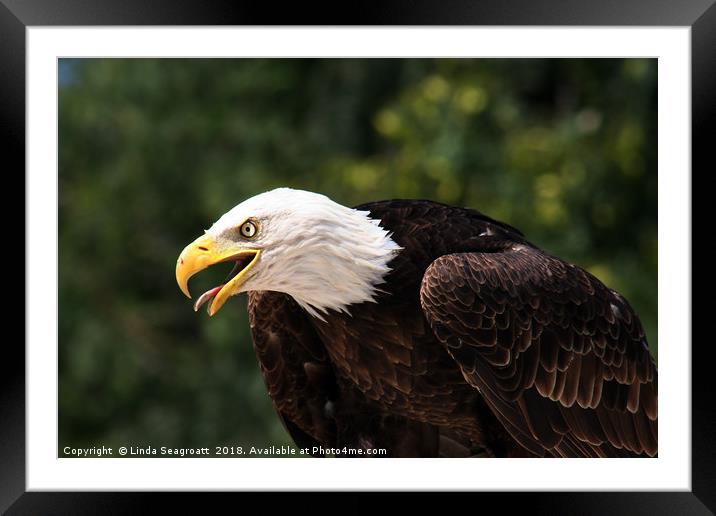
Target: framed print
x=157 y=145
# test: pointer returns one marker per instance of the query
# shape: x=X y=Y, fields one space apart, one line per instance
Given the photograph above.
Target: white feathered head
x=324 y=255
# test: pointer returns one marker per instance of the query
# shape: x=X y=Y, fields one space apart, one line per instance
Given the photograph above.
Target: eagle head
x=323 y=254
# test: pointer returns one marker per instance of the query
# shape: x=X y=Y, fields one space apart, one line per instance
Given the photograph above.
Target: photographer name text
x=215 y=451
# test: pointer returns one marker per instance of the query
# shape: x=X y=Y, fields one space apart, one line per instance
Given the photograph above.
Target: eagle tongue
x=206 y=296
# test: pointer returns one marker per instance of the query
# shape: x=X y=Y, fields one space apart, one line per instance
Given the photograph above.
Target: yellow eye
x=249 y=229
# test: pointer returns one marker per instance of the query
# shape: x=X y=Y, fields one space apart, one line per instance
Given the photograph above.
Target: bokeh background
x=152 y=151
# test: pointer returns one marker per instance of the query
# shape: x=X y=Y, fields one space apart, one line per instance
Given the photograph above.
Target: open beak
x=202 y=253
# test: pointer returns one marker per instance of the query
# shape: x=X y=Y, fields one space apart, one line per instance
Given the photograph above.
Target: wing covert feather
x=561 y=359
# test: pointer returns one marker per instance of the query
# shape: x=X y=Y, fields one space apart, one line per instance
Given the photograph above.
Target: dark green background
x=153 y=151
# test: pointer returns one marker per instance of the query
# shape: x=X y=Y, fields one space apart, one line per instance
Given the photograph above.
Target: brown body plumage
x=479 y=343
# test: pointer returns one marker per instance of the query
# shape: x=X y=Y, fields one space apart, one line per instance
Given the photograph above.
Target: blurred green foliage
x=153 y=151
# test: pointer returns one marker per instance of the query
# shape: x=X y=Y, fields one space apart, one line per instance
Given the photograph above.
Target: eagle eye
x=249 y=229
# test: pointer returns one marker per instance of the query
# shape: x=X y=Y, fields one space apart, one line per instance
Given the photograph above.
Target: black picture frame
x=17 y=15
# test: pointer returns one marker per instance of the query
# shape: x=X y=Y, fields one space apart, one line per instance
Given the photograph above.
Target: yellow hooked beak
x=202 y=253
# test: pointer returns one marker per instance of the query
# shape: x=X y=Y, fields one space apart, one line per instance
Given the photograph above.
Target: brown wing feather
x=561 y=359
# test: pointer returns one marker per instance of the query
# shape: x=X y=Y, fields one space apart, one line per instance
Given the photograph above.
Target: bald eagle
x=429 y=330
